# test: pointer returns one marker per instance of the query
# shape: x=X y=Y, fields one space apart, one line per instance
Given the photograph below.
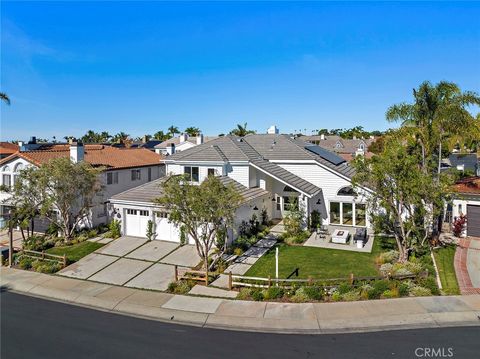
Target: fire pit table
x=340 y=236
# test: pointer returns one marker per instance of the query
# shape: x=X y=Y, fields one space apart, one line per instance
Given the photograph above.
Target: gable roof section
x=96 y=155
x=7 y=148
x=469 y=185
x=148 y=192
x=176 y=141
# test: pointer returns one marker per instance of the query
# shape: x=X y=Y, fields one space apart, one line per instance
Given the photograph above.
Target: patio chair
x=320 y=234
x=360 y=235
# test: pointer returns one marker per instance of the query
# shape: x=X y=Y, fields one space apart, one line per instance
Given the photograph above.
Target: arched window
x=6 y=169
x=18 y=167
x=346 y=191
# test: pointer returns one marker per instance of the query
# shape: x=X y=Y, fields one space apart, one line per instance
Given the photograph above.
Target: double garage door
x=136 y=225
x=473 y=222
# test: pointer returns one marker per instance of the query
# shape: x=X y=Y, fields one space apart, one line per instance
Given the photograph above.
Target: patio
x=316 y=240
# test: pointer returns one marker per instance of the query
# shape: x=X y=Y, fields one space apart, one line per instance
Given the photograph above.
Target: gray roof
x=148 y=192
x=270 y=147
x=176 y=141
x=338 y=144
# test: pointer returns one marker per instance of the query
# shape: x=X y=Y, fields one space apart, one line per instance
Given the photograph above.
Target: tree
x=241 y=130
x=192 y=131
x=120 y=137
x=161 y=136
x=173 y=130
x=95 y=137
x=4 y=97
x=203 y=210
x=405 y=199
x=65 y=192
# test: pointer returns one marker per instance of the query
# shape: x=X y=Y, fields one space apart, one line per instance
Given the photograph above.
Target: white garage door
x=166 y=231
x=136 y=222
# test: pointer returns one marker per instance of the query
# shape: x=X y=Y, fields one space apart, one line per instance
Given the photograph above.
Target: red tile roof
x=96 y=155
x=7 y=148
x=469 y=185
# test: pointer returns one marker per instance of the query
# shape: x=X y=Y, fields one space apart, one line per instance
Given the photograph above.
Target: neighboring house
x=123 y=169
x=289 y=170
x=466 y=201
x=463 y=162
x=7 y=148
x=345 y=148
x=181 y=143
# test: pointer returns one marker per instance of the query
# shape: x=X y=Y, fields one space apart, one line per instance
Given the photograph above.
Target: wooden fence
x=189 y=274
x=45 y=256
x=261 y=282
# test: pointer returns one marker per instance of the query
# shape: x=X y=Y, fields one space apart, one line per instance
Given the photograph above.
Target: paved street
x=36 y=328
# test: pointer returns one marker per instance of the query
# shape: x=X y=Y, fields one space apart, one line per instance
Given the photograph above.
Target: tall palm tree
x=161 y=136
x=173 y=130
x=4 y=97
x=192 y=131
x=241 y=131
x=119 y=137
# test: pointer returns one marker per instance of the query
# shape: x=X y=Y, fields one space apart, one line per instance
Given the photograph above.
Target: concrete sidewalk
x=315 y=318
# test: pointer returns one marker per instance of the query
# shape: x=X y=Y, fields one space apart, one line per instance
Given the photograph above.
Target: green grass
x=75 y=251
x=317 y=262
x=444 y=258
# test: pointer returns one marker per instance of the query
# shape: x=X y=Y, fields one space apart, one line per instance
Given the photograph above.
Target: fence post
x=351 y=278
x=269 y=281
x=230 y=281
x=206 y=278
x=64 y=260
x=176 y=273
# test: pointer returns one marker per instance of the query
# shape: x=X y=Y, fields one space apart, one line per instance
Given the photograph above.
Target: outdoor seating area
x=341 y=237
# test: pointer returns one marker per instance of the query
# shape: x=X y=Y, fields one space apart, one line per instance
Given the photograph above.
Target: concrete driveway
x=134 y=262
x=17 y=239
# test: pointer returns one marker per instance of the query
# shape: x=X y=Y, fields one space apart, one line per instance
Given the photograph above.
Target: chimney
x=20 y=145
x=199 y=139
x=144 y=139
x=322 y=136
x=171 y=149
x=183 y=137
x=273 y=130
x=77 y=152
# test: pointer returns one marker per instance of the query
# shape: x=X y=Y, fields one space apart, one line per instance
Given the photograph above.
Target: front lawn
x=444 y=257
x=76 y=251
x=317 y=262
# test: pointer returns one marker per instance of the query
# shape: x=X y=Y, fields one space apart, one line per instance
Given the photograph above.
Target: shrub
x=244 y=293
x=344 y=288
x=92 y=233
x=241 y=242
x=38 y=243
x=402 y=271
x=431 y=284
x=336 y=296
x=403 y=289
x=364 y=289
x=45 y=267
x=313 y=292
x=391 y=293
x=351 y=296
x=238 y=251
x=171 y=287
x=300 y=296
x=257 y=294
x=114 y=228
x=183 y=235
x=150 y=233
x=418 y=291
x=25 y=263
x=273 y=293
x=388 y=257
x=378 y=288
x=386 y=269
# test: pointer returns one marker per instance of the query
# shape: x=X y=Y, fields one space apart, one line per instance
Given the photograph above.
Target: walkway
x=467 y=265
x=314 y=318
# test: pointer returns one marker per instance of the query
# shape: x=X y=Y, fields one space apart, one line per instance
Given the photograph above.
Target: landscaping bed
x=75 y=252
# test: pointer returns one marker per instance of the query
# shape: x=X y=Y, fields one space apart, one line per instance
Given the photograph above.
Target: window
x=143 y=213
x=192 y=173
x=335 y=212
x=211 y=172
x=112 y=177
x=279 y=204
x=131 y=211
x=347 y=216
x=360 y=215
x=6 y=180
x=15 y=179
x=346 y=191
x=161 y=214
x=135 y=175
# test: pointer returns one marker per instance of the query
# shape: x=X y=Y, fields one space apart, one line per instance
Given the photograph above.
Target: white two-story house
x=279 y=168
x=124 y=168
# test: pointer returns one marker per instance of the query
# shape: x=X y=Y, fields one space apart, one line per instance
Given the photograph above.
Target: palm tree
x=4 y=97
x=192 y=131
x=173 y=130
x=161 y=136
x=119 y=137
x=241 y=131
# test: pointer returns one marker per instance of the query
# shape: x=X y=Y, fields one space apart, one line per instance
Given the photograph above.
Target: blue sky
x=141 y=67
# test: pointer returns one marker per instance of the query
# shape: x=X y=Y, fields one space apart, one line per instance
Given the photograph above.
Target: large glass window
x=335 y=212
x=192 y=173
x=6 y=180
x=347 y=214
x=360 y=215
